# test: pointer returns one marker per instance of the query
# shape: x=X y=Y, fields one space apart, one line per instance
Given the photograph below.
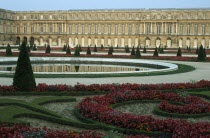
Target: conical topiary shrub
x=102 y=46
x=144 y=50
x=138 y=54
x=133 y=51
x=77 y=52
x=189 y=49
x=68 y=50
x=111 y=50
x=48 y=49
x=156 y=52
x=95 y=49
x=161 y=50
x=64 y=48
x=127 y=50
x=201 y=54
x=8 y=50
x=197 y=51
x=80 y=48
x=24 y=78
x=34 y=48
x=204 y=52
x=88 y=51
x=179 y=52
x=28 y=48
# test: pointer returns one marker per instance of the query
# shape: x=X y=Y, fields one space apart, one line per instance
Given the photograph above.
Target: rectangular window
x=181 y=29
x=169 y=28
x=89 y=28
x=102 y=17
x=158 y=28
x=18 y=29
x=83 y=29
x=59 y=28
x=109 y=29
x=41 y=28
x=188 y=29
x=123 y=29
x=148 y=26
x=32 y=28
x=130 y=29
x=116 y=29
x=70 y=29
x=96 y=29
x=102 y=29
x=196 y=29
x=76 y=28
x=25 y=28
x=203 y=29
x=137 y=29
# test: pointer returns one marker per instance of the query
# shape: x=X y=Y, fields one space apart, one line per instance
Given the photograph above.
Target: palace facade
x=133 y=27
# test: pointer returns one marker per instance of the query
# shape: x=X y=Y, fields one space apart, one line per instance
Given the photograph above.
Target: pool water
x=77 y=68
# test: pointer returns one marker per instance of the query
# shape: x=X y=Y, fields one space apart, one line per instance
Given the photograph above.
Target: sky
x=48 y=5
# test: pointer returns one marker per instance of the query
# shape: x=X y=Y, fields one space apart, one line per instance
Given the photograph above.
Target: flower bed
x=180 y=58
x=42 y=87
x=99 y=108
x=24 y=131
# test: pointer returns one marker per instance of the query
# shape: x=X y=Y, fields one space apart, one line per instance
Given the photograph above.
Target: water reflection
x=76 y=68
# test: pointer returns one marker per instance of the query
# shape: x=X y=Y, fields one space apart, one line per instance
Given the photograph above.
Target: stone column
x=165 y=28
x=162 y=28
x=172 y=31
x=151 y=31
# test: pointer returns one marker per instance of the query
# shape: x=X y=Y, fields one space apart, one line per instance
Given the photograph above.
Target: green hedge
x=175 y=115
x=79 y=93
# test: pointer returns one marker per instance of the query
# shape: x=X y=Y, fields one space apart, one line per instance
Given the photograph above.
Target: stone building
x=144 y=27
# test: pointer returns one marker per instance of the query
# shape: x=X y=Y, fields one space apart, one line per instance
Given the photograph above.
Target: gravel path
x=202 y=72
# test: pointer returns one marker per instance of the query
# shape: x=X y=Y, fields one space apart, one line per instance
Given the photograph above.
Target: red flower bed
x=23 y=131
x=98 y=108
x=42 y=87
x=187 y=109
x=181 y=58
